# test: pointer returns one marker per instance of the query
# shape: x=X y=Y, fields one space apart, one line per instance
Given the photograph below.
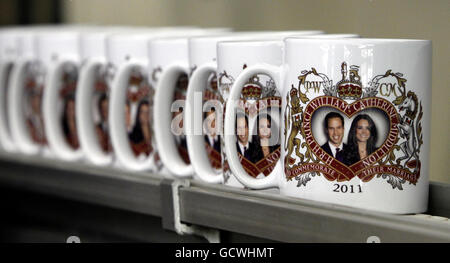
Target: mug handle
x=193 y=117
x=16 y=114
x=85 y=123
x=5 y=135
x=117 y=126
x=271 y=180
x=167 y=148
x=52 y=124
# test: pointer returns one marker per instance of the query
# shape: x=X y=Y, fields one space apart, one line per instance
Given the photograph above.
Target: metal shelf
x=244 y=212
x=135 y=192
x=293 y=220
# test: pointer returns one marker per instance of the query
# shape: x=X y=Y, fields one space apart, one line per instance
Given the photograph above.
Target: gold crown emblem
x=251 y=91
x=69 y=84
x=135 y=78
x=351 y=87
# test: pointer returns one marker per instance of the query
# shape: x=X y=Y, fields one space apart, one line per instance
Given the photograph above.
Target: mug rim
x=148 y=35
x=208 y=38
x=249 y=43
x=328 y=36
x=256 y=33
x=168 y=40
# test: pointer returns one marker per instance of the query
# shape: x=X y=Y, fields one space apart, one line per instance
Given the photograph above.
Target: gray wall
x=369 y=18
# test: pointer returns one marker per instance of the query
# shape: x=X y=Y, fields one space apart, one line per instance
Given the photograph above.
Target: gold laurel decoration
x=419 y=126
x=390 y=156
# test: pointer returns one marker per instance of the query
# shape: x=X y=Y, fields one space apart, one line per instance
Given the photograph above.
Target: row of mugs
x=331 y=118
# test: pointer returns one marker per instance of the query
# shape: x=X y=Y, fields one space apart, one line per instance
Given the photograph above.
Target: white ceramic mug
x=60 y=53
x=131 y=98
x=92 y=99
x=356 y=123
x=9 y=53
x=170 y=72
x=203 y=141
x=260 y=95
x=26 y=95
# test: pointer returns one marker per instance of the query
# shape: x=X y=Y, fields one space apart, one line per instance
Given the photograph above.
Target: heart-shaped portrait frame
x=259 y=99
x=336 y=169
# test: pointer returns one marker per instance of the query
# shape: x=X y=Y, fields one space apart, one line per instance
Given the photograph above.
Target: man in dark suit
x=243 y=146
x=180 y=137
x=211 y=137
x=334 y=129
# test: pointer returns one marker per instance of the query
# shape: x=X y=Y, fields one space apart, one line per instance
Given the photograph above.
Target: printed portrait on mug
x=257 y=126
x=349 y=140
x=100 y=104
x=138 y=112
x=177 y=125
x=212 y=111
x=67 y=99
x=34 y=89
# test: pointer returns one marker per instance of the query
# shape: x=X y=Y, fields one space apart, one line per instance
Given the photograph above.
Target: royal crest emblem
x=384 y=138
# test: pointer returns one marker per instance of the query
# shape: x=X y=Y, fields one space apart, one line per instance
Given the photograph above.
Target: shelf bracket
x=170 y=198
